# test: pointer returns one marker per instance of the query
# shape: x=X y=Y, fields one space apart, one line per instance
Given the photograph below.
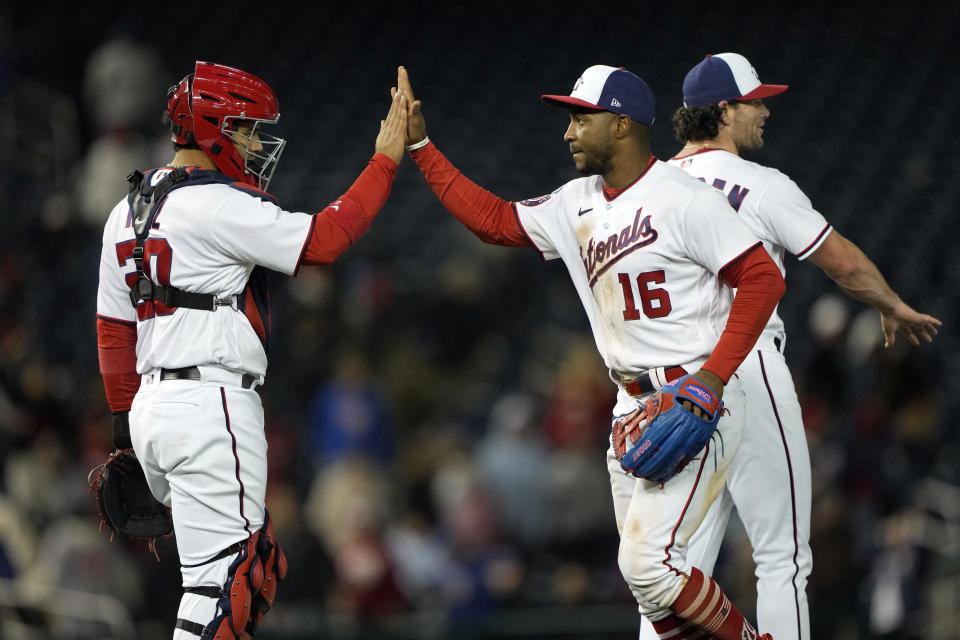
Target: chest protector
x=145 y=201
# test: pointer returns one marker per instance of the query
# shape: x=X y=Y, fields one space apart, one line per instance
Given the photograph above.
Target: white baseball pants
x=656 y=523
x=769 y=483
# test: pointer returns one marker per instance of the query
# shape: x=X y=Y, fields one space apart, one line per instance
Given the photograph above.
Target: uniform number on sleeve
x=654 y=301
x=156 y=252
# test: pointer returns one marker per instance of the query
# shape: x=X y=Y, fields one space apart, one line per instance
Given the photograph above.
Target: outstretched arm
x=854 y=272
x=490 y=218
x=343 y=222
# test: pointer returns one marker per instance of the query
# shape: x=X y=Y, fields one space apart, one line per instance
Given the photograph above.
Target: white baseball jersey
x=207 y=238
x=769 y=203
x=773 y=459
x=644 y=263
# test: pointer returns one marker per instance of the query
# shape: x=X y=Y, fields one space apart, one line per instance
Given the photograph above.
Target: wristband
x=418 y=145
x=120 y=436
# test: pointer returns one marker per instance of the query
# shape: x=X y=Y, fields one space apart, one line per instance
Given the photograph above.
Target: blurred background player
x=769 y=481
x=183 y=320
x=644 y=246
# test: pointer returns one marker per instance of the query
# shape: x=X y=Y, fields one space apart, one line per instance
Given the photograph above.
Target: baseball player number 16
x=648 y=295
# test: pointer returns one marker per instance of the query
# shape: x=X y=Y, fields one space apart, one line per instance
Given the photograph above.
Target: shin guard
x=249 y=590
x=274 y=564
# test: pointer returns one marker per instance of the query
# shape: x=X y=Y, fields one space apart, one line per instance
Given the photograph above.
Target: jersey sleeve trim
x=516 y=215
x=816 y=243
x=306 y=243
x=121 y=321
x=738 y=258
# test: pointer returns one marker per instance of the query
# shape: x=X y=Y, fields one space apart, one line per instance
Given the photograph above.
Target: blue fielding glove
x=663 y=435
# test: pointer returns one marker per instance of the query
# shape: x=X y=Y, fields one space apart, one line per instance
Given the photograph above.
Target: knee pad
x=249 y=590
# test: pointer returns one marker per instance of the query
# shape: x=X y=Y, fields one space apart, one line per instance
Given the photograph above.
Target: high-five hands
x=393 y=130
x=416 y=126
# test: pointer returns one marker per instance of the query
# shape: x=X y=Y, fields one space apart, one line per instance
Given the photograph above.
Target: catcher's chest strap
x=173 y=297
x=651 y=381
x=145 y=200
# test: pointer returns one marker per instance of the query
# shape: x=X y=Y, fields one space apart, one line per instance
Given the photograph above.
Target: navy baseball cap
x=725 y=76
x=610 y=89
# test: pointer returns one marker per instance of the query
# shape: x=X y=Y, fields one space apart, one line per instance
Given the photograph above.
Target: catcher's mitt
x=124 y=499
x=664 y=435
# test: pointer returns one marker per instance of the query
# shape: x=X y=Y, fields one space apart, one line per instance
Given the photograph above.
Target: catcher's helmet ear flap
x=179 y=113
x=228 y=108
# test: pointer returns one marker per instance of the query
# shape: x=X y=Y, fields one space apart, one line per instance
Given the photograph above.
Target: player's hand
x=416 y=125
x=914 y=326
x=390 y=141
x=713 y=381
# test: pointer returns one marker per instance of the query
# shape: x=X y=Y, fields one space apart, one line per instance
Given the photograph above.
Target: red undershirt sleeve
x=117 y=349
x=343 y=222
x=759 y=286
x=489 y=217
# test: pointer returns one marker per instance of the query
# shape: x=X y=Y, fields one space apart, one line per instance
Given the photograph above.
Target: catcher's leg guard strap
x=231 y=612
x=229 y=551
x=190 y=627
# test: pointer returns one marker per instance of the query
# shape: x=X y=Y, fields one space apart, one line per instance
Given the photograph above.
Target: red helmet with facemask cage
x=219 y=107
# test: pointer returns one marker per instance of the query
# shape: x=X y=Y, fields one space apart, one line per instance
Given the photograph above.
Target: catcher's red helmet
x=208 y=106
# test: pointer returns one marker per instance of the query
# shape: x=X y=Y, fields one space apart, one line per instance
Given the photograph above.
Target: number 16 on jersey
x=655 y=301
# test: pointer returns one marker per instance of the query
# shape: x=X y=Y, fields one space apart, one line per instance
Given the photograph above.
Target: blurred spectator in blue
x=348 y=414
x=485 y=572
x=514 y=464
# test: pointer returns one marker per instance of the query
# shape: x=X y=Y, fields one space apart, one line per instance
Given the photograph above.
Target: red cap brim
x=569 y=101
x=765 y=91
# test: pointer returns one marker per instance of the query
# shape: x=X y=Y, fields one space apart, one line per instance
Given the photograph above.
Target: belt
x=652 y=380
x=193 y=373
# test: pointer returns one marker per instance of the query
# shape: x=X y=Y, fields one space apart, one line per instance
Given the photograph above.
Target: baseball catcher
x=666 y=431
x=183 y=327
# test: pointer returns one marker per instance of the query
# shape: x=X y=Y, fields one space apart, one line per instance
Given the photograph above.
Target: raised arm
x=489 y=217
x=859 y=278
x=345 y=220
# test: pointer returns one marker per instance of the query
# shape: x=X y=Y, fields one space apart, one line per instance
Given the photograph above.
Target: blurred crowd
x=432 y=453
